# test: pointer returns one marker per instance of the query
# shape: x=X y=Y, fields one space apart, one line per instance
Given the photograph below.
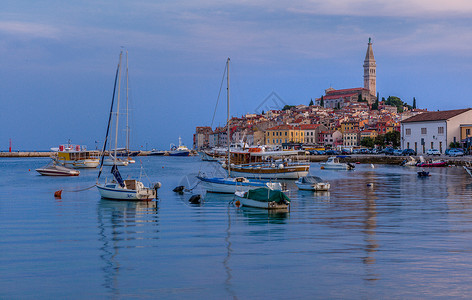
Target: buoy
x=29 y=170
x=322 y=167
x=237 y=203
x=195 y=199
x=58 y=194
x=179 y=189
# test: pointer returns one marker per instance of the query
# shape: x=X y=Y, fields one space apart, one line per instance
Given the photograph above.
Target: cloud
x=29 y=30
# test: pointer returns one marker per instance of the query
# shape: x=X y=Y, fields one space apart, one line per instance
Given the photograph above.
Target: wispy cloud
x=29 y=30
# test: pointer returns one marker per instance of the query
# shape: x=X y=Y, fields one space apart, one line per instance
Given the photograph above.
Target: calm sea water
x=402 y=237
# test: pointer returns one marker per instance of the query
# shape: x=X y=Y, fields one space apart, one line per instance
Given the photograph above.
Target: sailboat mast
x=228 y=119
x=127 y=112
x=117 y=110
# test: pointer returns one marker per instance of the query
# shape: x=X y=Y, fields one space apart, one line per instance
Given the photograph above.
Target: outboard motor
x=351 y=166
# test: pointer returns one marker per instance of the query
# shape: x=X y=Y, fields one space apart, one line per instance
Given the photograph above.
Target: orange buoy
x=237 y=203
x=58 y=193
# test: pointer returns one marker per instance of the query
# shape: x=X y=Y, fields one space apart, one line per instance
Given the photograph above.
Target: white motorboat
x=411 y=162
x=262 y=198
x=231 y=185
x=312 y=183
x=468 y=168
x=110 y=161
x=119 y=189
x=52 y=169
x=333 y=163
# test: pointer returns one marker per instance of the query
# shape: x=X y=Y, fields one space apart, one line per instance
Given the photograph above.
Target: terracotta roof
x=436 y=115
x=346 y=90
x=309 y=126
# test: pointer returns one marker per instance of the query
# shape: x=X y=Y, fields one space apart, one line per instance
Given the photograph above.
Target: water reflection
x=120 y=225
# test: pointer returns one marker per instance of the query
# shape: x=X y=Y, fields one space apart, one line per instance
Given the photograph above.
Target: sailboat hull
x=231 y=185
x=116 y=192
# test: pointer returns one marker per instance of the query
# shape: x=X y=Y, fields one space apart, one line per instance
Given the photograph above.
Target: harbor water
x=381 y=232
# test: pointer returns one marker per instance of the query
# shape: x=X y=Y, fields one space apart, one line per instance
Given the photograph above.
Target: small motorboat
x=423 y=174
x=468 y=168
x=262 y=198
x=435 y=163
x=312 y=183
x=410 y=162
x=52 y=169
x=333 y=163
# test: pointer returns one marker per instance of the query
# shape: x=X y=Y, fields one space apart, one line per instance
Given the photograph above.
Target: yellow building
x=284 y=134
x=369 y=133
x=466 y=131
x=349 y=125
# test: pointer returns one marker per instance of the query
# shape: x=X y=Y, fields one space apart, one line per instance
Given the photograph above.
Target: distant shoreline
x=362 y=158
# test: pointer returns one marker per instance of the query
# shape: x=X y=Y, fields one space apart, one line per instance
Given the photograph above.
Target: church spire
x=370 y=68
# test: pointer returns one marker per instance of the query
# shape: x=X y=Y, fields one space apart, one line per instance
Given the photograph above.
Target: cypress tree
x=322 y=102
x=311 y=102
x=414 y=102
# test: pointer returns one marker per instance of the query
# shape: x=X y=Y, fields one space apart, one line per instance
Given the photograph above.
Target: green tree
x=454 y=145
x=311 y=103
x=322 y=102
x=379 y=140
x=375 y=105
x=414 y=102
x=288 y=107
x=393 y=138
x=368 y=142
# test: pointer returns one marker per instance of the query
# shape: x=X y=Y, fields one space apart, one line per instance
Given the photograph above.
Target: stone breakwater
x=26 y=154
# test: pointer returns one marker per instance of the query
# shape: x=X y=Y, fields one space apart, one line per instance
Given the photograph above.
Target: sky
x=58 y=61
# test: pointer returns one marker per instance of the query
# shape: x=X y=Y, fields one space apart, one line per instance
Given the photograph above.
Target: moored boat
x=181 y=150
x=333 y=163
x=436 y=163
x=76 y=156
x=312 y=183
x=52 y=169
x=119 y=189
x=263 y=198
x=231 y=185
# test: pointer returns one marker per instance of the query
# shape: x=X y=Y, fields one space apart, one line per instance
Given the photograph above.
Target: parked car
x=397 y=152
x=433 y=152
x=388 y=151
x=376 y=151
x=455 y=152
x=331 y=152
x=408 y=152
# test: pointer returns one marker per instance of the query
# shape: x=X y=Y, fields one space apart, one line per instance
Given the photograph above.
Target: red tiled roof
x=309 y=126
x=347 y=90
x=436 y=115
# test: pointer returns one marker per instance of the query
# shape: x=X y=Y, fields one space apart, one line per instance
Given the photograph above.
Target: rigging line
x=219 y=93
x=109 y=119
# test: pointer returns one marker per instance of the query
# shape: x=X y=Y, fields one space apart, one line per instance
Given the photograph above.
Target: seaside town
x=357 y=184
x=347 y=120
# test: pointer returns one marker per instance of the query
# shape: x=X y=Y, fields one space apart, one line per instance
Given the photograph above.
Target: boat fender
x=195 y=199
x=179 y=189
x=237 y=203
x=57 y=194
x=281 y=166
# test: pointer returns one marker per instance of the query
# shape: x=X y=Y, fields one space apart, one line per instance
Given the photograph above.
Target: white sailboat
x=119 y=189
x=229 y=184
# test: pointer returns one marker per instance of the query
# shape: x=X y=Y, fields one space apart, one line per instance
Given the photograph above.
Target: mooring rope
x=81 y=190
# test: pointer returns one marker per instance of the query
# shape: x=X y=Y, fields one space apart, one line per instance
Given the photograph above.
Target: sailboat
x=119 y=189
x=229 y=184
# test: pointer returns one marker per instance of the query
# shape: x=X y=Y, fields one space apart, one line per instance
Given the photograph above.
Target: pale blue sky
x=58 y=59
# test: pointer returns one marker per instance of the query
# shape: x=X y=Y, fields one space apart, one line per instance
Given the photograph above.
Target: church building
x=340 y=98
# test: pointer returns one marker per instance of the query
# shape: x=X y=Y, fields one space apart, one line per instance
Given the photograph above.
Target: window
x=467 y=131
x=423 y=131
x=408 y=131
x=440 y=130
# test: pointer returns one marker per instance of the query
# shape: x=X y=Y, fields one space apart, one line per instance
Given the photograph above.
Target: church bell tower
x=369 y=71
